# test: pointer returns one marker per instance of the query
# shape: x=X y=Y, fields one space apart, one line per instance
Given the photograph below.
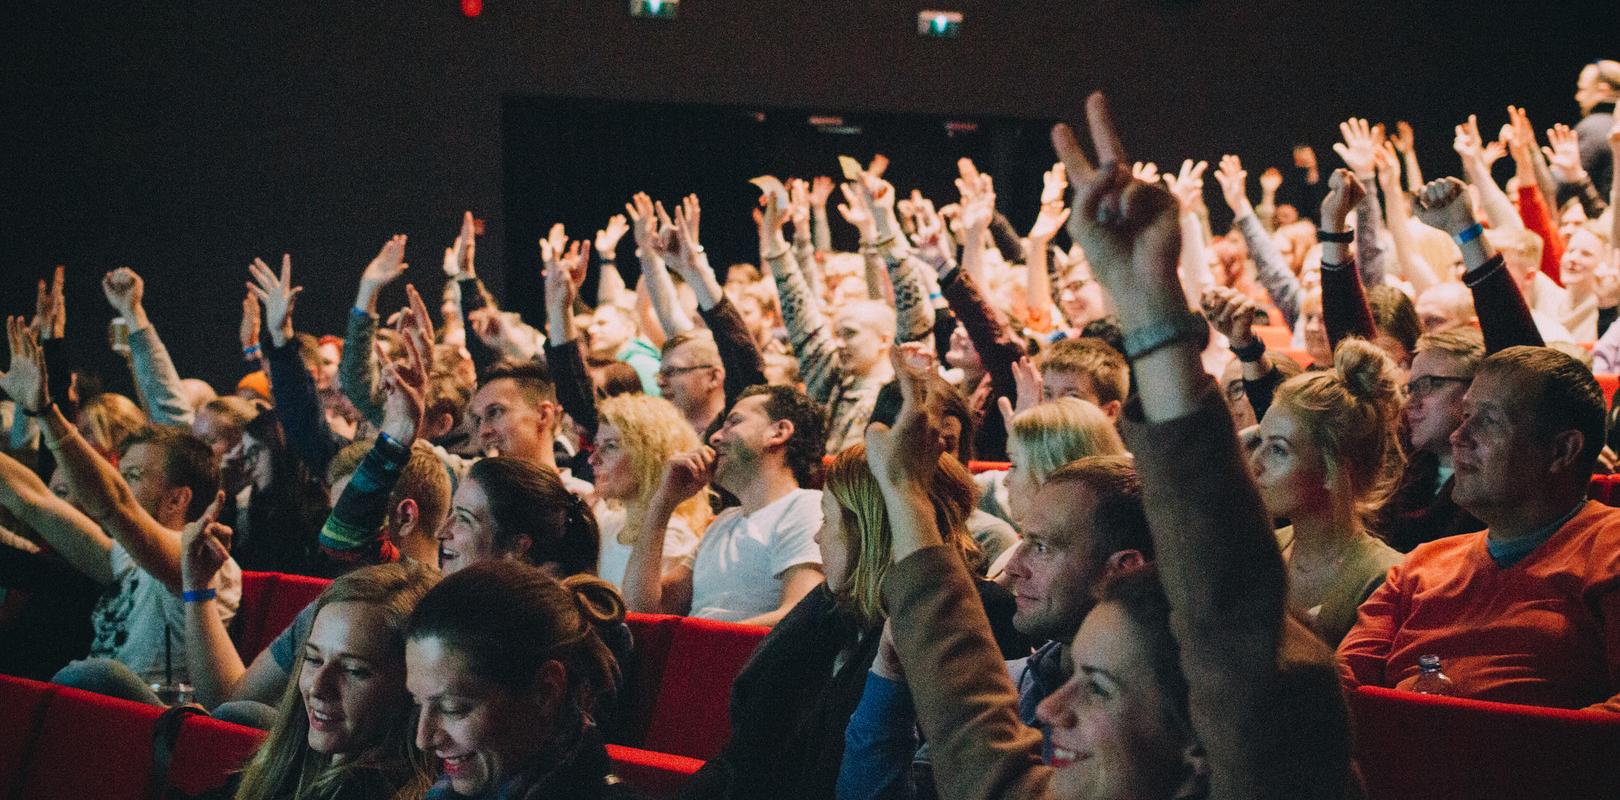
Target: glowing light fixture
x=654 y=9
x=941 y=24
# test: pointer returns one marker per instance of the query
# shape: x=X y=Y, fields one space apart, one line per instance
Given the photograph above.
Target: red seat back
x=652 y=775
x=1607 y=384
x=206 y=752
x=1422 y=747
x=1605 y=489
x=248 y=629
x=691 y=717
x=22 y=714
x=91 y=746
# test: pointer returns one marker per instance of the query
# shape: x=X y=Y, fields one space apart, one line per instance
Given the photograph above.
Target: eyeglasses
x=1427 y=384
x=670 y=372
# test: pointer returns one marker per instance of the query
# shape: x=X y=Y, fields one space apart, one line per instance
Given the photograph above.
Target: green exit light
x=939 y=23
x=654 y=9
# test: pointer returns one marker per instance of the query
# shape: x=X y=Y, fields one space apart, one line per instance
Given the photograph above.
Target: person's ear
x=438 y=425
x=1566 y=450
x=550 y=414
x=1123 y=560
x=180 y=499
x=550 y=690
x=521 y=547
x=405 y=518
x=780 y=432
x=1111 y=409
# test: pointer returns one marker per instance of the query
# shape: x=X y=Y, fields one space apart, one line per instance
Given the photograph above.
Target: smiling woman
x=343 y=728
x=506 y=698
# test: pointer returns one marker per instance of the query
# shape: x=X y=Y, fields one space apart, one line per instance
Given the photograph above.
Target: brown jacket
x=1263 y=693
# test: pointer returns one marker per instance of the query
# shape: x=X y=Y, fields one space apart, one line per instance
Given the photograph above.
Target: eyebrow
x=1092 y=671
x=308 y=646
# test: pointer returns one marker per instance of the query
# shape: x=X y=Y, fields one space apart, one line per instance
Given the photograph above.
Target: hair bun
x=599 y=602
x=1367 y=372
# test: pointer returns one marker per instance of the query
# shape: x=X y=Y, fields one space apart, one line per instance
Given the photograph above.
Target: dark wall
x=184 y=139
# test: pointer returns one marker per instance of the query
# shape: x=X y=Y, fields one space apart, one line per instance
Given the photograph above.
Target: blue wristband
x=198 y=595
x=1469 y=233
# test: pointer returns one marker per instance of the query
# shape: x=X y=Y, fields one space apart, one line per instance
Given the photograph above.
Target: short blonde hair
x=1059 y=431
x=108 y=419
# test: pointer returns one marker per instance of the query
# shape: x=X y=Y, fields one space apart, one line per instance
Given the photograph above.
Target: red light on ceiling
x=472 y=8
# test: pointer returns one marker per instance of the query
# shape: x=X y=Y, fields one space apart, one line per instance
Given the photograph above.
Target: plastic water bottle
x=1431 y=680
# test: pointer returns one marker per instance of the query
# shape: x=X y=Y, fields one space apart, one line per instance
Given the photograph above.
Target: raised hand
x=564 y=273
x=931 y=238
x=1030 y=392
x=1563 y=152
x=1467 y=141
x=799 y=207
x=1389 y=169
x=404 y=383
x=1360 y=146
x=1145 y=171
x=1234 y=184
x=607 y=239
x=1523 y=143
x=684 y=227
x=388 y=264
x=769 y=218
x=1403 y=140
x=684 y=475
x=1127 y=228
x=124 y=290
x=50 y=307
x=857 y=212
x=1048 y=222
x=1344 y=192
x=821 y=188
x=205 y=546
x=1444 y=204
x=249 y=329
x=416 y=323
x=278 y=295
x=465 y=249
x=1054 y=184
x=651 y=239
x=1230 y=312
x=26 y=382
x=908 y=453
x=1271 y=180
x=1187 y=185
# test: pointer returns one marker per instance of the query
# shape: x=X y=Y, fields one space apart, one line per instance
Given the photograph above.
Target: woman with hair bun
x=1327 y=459
x=506 y=699
x=513 y=508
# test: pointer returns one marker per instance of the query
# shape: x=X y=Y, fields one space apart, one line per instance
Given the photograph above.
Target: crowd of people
x=1194 y=543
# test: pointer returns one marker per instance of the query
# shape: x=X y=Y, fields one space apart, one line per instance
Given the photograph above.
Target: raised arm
x=1397 y=215
x=358 y=366
x=154 y=372
x=1405 y=143
x=1215 y=551
x=978 y=192
x=648 y=587
x=1037 y=246
x=1563 y=153
x=1534 y=209
x=1504 y=318
x=808 y=331
x=609 y=283
x=821 y=188
x=1278 y=279
x=655 y=246
x=215 y=667
x=1344 y=299
x=24 y=494
x=745 y=365
x=1360 y=153
x=293 y=388
x=564 y=272
x=1187 y=186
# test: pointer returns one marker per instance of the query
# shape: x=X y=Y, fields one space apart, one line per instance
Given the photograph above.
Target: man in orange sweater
x=1527 y=611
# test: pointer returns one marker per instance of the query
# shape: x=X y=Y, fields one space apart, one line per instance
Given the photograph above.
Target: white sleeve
x=793 y=542
x=680 y=545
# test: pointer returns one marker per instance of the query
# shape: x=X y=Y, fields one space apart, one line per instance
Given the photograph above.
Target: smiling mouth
x=1062 y=757
x=455 y=765
x=321 y=721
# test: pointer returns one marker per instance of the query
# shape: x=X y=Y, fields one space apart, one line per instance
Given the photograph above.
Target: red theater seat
x=1607 y=384
x=90 y=746
x=22 y=713
x=270 y=602
x=206 y=753
x=691 y=716
x=644 y=675
x=1420 y=747
x=652 y=775
x=1604 y=489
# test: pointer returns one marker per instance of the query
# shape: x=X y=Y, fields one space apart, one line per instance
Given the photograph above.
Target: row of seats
x=60 y=744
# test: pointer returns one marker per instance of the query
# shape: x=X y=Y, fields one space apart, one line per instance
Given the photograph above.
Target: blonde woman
x=107 y=419
x=1040 y=439
x=345 y=726
x=635 y=434
x=1327 y=458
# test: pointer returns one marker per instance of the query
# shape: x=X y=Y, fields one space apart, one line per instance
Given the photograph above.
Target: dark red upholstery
x=1605 y=489
x=270 y=602
x=1424 y=747
x=22 y=712
x=652 y=775
x=691 y=718
x=644 y=675
x=90 y=746
x=207 y=752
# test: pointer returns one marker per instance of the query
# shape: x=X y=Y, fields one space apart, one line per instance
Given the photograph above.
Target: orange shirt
x=1544 y=632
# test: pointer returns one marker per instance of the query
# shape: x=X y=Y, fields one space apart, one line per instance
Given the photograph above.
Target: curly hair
x=808 y=442
x=651 y=430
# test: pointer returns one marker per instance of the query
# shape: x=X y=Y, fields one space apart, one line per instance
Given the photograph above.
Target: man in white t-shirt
x=758 y=560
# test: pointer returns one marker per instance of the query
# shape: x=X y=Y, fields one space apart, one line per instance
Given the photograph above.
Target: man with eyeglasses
x=692 y=377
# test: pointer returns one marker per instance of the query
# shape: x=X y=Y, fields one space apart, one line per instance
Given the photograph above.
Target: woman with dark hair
x=280 y=507
x=507 y=698
x=514 y=508
x=792 y=702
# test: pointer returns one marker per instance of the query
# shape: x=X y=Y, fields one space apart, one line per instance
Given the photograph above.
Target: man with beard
x=756 y=560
